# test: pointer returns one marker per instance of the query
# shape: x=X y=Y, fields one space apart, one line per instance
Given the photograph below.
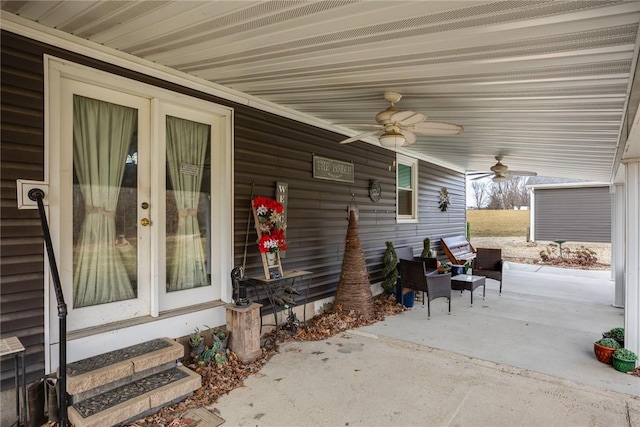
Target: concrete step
x=98 y=374
x=135 y=399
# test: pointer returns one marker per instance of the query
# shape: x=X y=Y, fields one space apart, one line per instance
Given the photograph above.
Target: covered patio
x=523 y=358
x=545 y=321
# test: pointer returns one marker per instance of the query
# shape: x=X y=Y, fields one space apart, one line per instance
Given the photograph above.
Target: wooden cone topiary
x=354 y=289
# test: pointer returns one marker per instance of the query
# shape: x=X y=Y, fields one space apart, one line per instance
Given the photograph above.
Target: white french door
x=189 y=136
x=104 y=181
x=140 y=188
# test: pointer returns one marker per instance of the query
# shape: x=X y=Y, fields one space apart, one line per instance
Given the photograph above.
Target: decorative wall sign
x=333 y=170
x=282 y=196
x=374 y=190
x=188 y=169
x=444 y=199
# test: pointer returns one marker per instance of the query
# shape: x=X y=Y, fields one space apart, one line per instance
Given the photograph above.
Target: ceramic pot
x=623 y=365
x=271 y=258
x=603 y=354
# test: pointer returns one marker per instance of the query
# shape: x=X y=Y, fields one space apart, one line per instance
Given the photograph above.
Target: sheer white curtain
x=187 y=143
x=102 y=133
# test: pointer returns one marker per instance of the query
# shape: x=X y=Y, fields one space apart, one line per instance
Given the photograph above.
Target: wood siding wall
x=268 y=149
x=573 y=214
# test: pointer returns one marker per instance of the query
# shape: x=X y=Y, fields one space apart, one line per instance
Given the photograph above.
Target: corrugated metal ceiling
x=544 y=83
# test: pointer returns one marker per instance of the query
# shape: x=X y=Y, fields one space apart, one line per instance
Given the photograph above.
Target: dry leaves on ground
x=220 y=379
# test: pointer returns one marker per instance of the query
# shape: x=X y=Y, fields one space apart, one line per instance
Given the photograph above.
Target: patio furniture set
x=422 y=275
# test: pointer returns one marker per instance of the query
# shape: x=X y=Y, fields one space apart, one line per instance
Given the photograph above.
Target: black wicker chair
x=488 y=263
x=414 y=276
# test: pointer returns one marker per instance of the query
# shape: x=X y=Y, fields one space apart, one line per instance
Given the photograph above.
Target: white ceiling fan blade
x=522 y=173
x=410 y=137
x=359 y=137
x=360 y=125
x=437 y=128
x=481 y=176
x=407 y=118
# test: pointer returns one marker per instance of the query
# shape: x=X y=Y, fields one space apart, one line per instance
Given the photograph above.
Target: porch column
x=632 y=258
x=532 y=214
x=618 y=242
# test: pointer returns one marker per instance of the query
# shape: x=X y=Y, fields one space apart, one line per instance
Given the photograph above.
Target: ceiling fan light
x=391 y=140
x=499 y=178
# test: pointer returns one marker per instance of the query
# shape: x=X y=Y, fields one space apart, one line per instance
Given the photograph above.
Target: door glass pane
x=188 y=199
x=104 y=202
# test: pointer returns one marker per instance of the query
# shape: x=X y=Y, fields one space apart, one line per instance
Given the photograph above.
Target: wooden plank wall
x=268 y=149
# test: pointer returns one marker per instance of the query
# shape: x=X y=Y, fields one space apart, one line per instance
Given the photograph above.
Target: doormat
x=198 y=417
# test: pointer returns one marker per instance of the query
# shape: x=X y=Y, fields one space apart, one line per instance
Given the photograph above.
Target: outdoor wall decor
x=444 y=199
x=267 y=215
x=374 y=190
x=333 y=170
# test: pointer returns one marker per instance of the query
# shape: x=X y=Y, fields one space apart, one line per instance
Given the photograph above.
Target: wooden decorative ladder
x=276 y=267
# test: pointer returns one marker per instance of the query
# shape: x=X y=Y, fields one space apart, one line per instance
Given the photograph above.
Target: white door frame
x=210 y=311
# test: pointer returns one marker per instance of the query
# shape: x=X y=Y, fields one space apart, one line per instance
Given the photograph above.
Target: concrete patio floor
x=546 y=321
x=523 y=358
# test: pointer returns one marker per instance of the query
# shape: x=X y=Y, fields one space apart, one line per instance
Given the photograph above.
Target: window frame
x=412 y=163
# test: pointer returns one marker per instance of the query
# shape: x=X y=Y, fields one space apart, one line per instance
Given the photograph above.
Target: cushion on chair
x=405 y=252
x=430 y=264
x=488 y=263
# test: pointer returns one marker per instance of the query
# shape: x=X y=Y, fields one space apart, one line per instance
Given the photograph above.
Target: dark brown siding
x=268 y=149
x=272 y=151
x=573 y=214
x=21 y=245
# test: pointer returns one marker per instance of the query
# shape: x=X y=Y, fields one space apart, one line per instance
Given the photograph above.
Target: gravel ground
x=517 y=249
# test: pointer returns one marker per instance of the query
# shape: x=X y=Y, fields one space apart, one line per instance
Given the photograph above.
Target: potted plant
x=271 y=225
x=389 y=271
x=426 y=250
x=604 y=349
x=624 y=360
x=617 y=334
x=196 y=342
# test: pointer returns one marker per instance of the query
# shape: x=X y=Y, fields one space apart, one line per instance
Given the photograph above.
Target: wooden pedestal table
x=466 y=282
x=243 y=323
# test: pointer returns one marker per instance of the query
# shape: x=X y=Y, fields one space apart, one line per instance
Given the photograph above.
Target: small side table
x=13 y=346
x=467 y=282
x=299 y=280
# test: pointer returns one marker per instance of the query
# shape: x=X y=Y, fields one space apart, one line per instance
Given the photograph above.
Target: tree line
x=509 y=194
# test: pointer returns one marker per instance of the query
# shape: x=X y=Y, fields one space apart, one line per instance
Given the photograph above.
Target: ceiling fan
x=399 y=127
x=501 y=172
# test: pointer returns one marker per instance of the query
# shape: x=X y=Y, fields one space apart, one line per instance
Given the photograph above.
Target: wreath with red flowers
x=271 y=224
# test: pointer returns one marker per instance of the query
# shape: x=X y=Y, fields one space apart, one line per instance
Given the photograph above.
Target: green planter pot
x=623 y=365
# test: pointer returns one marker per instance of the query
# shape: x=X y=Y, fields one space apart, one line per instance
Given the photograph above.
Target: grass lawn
x=497 y=223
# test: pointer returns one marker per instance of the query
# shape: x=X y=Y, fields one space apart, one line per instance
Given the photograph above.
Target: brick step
x=135 y=399
x=98 y=374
